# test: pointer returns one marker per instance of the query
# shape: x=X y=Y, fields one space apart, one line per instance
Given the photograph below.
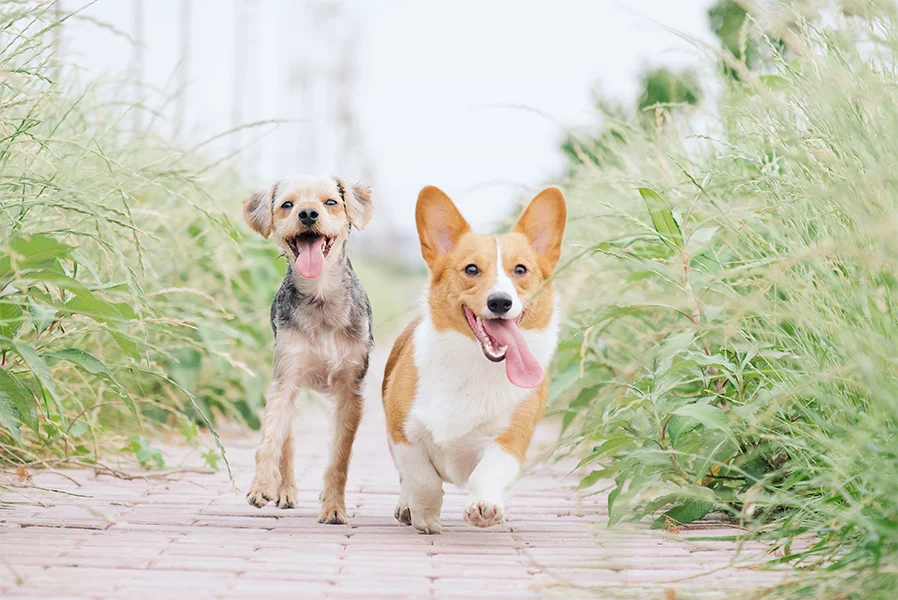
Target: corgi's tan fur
x=453 y=412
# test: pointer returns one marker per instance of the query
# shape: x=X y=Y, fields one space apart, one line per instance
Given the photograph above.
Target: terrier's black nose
x=499 y=303
x=308 y=216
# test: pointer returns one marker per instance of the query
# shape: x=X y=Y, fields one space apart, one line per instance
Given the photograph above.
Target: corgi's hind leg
x=421 y=498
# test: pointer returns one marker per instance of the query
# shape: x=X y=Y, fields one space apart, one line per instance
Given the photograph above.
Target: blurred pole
x=183 y=66
x=137 y=60
x=239 y=62
x=57 y=32
x=252 y=82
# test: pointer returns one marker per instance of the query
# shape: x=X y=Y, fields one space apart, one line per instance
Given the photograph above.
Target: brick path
x=191 y=535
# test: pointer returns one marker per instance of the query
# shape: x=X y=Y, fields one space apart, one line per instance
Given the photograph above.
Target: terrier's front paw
x=403 y=514
x=260 y=493
x=333 y=515
x=484 y=514
x=287 y=496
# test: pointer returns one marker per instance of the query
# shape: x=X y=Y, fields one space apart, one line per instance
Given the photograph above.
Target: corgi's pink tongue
x=521 y=366
x=310 y=261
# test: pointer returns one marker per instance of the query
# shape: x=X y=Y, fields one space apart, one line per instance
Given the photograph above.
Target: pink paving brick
x=195 y=537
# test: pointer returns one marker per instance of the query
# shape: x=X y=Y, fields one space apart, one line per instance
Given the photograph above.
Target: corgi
x=465 y=383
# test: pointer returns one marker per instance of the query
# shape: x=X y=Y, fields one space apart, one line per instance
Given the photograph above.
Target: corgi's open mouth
x=492 y=348
x=501 y=339
x=309 y=251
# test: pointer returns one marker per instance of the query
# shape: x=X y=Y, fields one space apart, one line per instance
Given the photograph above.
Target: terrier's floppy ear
x=357 y=199
x=257 y=211
x=440 y=225
x=543 y=223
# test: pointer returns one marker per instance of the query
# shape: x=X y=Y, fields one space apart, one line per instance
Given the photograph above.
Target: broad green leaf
x=92 y=365
x=10 y=319
x=674 y=344
x=678 y=426
x=606 y=447
x=41 y=317
x=709 y=416
x=774 y=82
x=581 y=401
x=687 y=511
x=38 y=250
x=40 y=371
x=595 y=476
x=564 y=380
x=22 y=396
x=83 y=301
x=9 y=417
x=662 y=217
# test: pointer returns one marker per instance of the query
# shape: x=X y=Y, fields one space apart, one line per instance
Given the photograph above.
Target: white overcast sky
x=472 y=96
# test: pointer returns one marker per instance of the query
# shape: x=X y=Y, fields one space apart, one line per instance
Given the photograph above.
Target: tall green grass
x=128 y=299
x=732 y=342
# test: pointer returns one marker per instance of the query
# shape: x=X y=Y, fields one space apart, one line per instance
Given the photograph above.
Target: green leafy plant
x=146 y=455
x=733 y=311
x=128 y=299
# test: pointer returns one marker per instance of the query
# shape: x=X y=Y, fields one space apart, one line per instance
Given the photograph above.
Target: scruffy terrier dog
x=322 y=324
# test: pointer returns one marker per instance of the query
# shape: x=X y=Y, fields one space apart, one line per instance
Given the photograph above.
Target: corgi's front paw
x=484 y=514
x=403 y=514
x=425 y=523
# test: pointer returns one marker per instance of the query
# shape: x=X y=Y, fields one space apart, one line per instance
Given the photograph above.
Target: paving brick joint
x=192 y=535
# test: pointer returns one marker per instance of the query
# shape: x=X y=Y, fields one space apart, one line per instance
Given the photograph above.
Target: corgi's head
x=307 y=217
x=491 y=287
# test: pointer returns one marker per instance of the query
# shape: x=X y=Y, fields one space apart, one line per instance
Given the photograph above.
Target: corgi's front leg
x=422 y=487
x=490 y=479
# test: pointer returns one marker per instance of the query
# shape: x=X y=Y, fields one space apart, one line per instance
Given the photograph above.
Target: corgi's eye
x=472 y=270
x=287 y=204
x=331 y=202
x=520 y=270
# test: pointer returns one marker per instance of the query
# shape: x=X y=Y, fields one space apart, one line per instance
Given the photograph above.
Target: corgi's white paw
x=402 y=513
x=424 y=523
x=484 y=514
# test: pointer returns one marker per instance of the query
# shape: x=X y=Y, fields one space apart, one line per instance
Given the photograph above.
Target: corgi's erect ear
x=357 y=199
x=439 y=223
x=543 y=223
x=257 y=211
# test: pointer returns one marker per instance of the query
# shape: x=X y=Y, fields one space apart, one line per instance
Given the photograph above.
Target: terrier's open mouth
x=308 y=239
x=492 y=348
x=309 y=251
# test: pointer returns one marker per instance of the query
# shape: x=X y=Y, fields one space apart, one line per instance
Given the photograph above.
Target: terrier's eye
x=331 y=202
x=287 y=204
x=472 y=270
x=520 y=270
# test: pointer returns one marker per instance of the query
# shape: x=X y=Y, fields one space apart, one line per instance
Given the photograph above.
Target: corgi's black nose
x=308 y=216
x=499 y=303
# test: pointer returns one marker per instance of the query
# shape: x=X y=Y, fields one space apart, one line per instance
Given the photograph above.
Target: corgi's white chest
x=464 y=400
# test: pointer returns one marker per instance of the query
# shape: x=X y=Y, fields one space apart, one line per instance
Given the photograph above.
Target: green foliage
x=146 y=455
x=664 y=87
x=128 y=299
x=731 y=337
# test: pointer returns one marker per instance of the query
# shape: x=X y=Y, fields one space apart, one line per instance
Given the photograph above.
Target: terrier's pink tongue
x=521 y=366
x=310 y=261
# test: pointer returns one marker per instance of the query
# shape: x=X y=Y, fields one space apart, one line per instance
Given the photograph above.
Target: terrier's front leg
x=276 y=430
x=346 y=423
x=494 y=473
